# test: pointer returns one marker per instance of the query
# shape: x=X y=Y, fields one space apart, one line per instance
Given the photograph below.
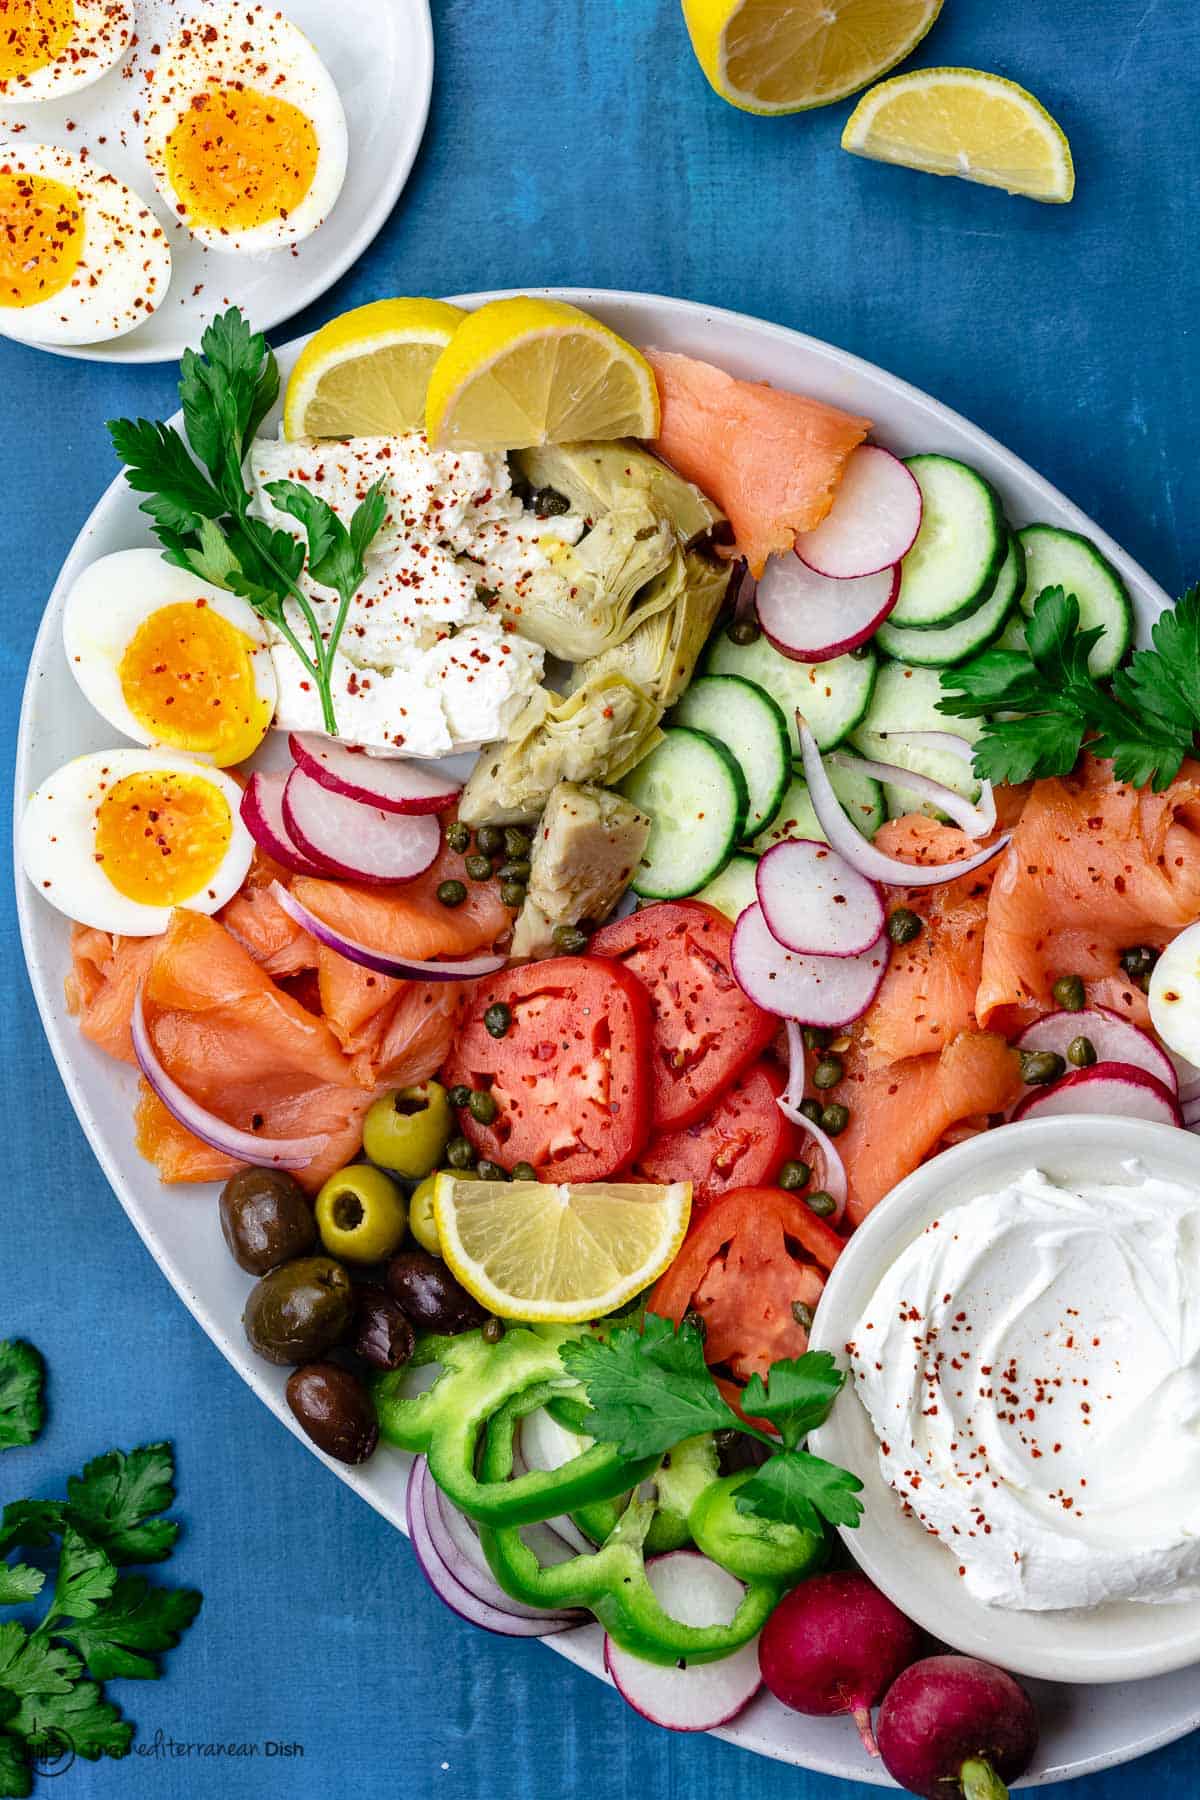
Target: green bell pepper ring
x=682 y=1476
x=612 y=1581
x=749 y=1547
x=447 y=1419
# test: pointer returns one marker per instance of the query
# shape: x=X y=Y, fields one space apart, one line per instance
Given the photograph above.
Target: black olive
x=383 y=1335
x=423 y=1287
x=335 y=1409
x=266 y=1219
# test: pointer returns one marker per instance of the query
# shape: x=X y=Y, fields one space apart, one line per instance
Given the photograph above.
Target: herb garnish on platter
x=1145 y=718
x=203 y=520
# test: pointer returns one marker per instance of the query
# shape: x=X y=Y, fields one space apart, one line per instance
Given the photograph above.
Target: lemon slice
x=365 y=373
x=524 y=372
x=556 y=1254
x=768 y=57
x=968 y=123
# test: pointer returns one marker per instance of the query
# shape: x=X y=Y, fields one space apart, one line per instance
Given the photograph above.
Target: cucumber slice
x=1013 y=635
x=860 y=795
x=963 y=540
x=906 y=699
x=733 y=890
x=833 y=696
x=747 y=721
x=695 y=795
x=952 y=644
x=1058 y=558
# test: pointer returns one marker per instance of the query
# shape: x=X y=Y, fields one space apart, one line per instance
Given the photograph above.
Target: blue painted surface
x=576 y=142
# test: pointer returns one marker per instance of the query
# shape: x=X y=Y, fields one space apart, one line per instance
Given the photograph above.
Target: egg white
x=260 y=49
x=57 y=838
x=125 y=262
x=1175 y=995
x=103 y=33
x=117 y=594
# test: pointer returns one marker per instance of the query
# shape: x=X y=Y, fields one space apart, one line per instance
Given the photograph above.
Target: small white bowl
x=1121 y=1641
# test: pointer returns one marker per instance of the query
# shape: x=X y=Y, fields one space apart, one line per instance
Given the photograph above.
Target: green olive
x=421 y=1221
x=828 y=1072
x=794 y=1175
x=300 y=1310
x=361 y=1214
x=406 y=1132
x=1068 y=992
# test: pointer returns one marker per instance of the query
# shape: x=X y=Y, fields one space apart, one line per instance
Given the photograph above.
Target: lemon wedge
x=556 y=1254
x=765 y=57
x=968 y=123
x=525 y=371
x=365 y=373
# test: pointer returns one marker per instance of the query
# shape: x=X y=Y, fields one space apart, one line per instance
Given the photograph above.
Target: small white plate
x=1083 y=1729
x=381 y=59
x=1122 y=1641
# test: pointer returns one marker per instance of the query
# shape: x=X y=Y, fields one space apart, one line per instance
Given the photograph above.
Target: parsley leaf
x=797 y=1396
x=16 y=1780
x=114 y=1500
x=19 y=1583
x=85 y=1578
x=138 y=1618
x=91 y=1725
x=22 y=1373
x=798 y=1489
x=648 y=1389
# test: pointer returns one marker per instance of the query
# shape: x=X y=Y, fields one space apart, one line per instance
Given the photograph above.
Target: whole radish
x=952 y=1726
x=834 y=1645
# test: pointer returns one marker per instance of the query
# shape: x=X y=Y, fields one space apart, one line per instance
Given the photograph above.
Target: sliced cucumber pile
x=696 y=798
x=861 y=796
x=1055 y=557
x=906 y=700
x=955 y=562
x=946 y=645
x=833 y=696
x=733 y=890
x=752 y=728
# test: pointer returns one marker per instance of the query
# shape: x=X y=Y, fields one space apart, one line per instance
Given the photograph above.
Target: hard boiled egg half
x=169 y=659
x=82 y=257
x=51 y=48
x=244 y=130
x=118 y=838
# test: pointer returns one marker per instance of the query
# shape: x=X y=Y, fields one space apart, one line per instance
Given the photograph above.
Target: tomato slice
x=754 y=1253
x=741 y=1142
x=571 y=1075
x=706 y=1032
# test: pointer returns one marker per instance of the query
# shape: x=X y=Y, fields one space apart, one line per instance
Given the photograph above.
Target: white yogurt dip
x=1031 y=1367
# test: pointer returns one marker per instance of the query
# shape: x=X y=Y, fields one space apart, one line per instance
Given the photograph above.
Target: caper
x=742 y=631
x=492 y=1330
x=452 y=893
x=549 y=503
x=459 y=1154
x=482 y=1107
x=361 y=1214
x=458 y=836
x=489 y=839
x=1040 y=1067
x=817 y=1037
x=794 y=1174
x=828 y=1072
x=697 y=1322
x=570 y=939
x=516 y=841
x=904 y=925
x=479 y=868
x=524 y=1171
x=834 y=1118
x=822 y=1203
x=406 y=1131
x=811 y=1110
x=1139 y=959
x=1081 y=1052
x=802 y=1314
x=517 y=870
x=491 y=1171
x=860 y=652
x=459 y=1094
x=497 y=1020
x=512 y=894
x=1068 y=993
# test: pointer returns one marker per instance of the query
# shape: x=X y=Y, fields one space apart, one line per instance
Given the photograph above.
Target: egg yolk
x=188 y=677
x=41 y=237
x=238 y=159
x=161 y=835
x=33 y=34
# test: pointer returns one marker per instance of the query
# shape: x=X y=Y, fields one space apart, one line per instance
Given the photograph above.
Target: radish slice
x=399 y=967
x=262 y=815
x=356 y=841
x=1112 y=1089
x=814 y=902
x=954 y=745
x=816 y=990
x=873 y=522
x=1114 y=1039
x=698 y=1696
x=863 y=856
x=811 y=618
x=834 y=1168
x=218 y=1134
x=458 y=1598
x=976 y=821
x=392 y=786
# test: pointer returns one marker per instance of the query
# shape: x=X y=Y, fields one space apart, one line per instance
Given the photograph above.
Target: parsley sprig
x=21 y=1379
x=1144 y=719
x=650 y=1387
x=199 y=505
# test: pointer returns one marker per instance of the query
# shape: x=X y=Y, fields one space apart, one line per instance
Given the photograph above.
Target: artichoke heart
x=592 y=595
x=588 y=844
x=673 y=624
x=595 y=476
x=595 y=734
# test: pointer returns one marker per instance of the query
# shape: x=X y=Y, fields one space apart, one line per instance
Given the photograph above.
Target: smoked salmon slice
x=103 y=979
x=771 y=459
x=260 y=924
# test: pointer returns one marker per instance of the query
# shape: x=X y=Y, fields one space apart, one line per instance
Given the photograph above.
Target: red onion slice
x=243 y=1146
x=389 y=784
x=401 y=968
x=455 y=1539
x=971 y=819
x=357 y=841
x=262 y=815
x=817 y=990
x=849 y=842
x=789 y=1105
x=953 y=744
